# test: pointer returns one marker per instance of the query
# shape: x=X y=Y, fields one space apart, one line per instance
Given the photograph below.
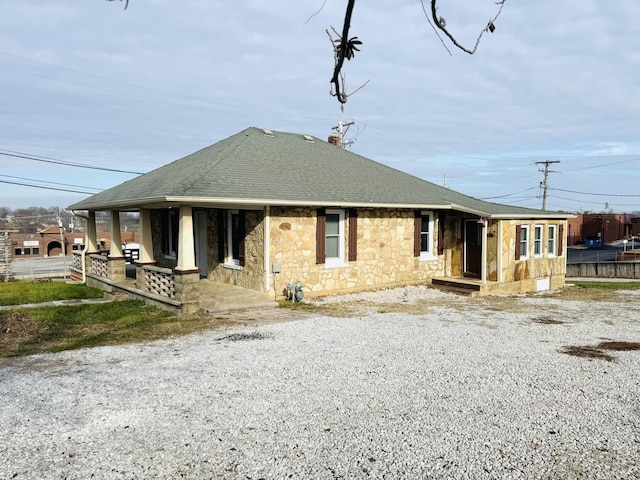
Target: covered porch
x=182 y=289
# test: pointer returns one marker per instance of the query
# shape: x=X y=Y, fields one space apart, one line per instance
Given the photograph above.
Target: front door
x=472 y=249
x=200 y=240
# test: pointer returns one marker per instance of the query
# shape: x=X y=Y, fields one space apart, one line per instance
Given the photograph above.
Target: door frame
x=475 y=257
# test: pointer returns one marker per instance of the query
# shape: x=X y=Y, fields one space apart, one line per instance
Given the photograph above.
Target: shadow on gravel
x=238 y=337
x=598 y=351
x=548 y=321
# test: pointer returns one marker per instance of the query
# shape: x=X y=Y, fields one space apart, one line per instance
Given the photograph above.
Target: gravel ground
x=467 y=390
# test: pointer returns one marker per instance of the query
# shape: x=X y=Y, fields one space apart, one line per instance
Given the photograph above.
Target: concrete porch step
x=460 y=286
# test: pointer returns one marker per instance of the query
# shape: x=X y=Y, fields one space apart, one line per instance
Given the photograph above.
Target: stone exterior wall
x=524 y=273
x=385 y=252
x=252 y=275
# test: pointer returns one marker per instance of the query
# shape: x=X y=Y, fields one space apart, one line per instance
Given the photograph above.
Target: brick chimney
x=335 y=139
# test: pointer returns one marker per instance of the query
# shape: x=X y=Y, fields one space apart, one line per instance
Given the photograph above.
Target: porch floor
x=215 y=298
x=222 y=298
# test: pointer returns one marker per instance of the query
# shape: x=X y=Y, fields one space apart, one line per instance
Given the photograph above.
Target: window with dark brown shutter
x=353 y=235
x=560 y=239
x=320 y=236
x=417 y=230
x=517 y=242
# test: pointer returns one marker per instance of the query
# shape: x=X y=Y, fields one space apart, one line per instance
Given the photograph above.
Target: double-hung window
x=169 y=226
x=235 y=238
x=523 y=241
x=551 y=241
x=334 y=238
x=537 y=241
x=426 y=229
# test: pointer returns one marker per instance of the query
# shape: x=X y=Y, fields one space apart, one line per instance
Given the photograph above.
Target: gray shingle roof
x=256 y=168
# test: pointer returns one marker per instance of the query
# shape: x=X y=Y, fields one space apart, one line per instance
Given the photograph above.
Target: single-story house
x=263 y=209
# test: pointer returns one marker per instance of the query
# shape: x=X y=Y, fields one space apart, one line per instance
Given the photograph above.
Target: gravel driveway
x=467 y=389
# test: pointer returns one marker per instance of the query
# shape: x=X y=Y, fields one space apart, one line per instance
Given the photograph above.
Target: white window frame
x=552 y=241
x=525 y=229
x=538 y=241
x=336 y=262
x=229 y=261
x=427 y=254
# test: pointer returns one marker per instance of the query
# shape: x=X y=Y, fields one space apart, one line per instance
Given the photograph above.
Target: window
x=27 y=251
x=36 y=251
x=522 y=234
x=169 y=225
x=17 y=252
x=551 y=241
x=235 y=238
x=423 y=242
x=537 y=241
x=334 y=238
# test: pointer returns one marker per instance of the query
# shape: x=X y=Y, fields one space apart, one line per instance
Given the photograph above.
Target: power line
x=51 y=183
x=26 y=156
x=509 y=194
x=46 y=188
x=596 y=194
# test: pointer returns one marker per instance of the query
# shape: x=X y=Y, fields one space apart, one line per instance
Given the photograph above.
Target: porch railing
x=160 y=281
x=100 y=265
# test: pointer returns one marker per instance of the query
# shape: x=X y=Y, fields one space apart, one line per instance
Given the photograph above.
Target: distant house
x=264 y=201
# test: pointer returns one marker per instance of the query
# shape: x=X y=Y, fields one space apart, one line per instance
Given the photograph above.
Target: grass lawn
x=19 y=293
x=28 y=331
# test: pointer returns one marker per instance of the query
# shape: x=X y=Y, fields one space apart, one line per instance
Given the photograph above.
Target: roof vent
x=308 y=138
x=268 y=132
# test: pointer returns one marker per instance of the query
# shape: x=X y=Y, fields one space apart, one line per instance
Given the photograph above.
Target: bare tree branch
x=341 y=53
x=442 y=25
x=125 y=5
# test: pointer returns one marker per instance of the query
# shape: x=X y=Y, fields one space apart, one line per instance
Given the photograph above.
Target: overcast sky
x=91 y=83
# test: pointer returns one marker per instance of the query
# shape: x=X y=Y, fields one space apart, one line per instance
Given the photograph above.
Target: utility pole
x=545 y=184
x=340 y=128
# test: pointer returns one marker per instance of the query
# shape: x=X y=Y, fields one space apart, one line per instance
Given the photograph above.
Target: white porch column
x=115 y=250
x=499 y=251
x=91 y=240
x=146 y=241
x=186 y=244
x=483 y=267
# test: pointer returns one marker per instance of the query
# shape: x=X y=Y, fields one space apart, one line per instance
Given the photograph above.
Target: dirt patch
x=598 y=351
x=15 y=326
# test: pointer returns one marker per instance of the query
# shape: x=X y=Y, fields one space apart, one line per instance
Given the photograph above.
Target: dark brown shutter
x=441 y=233
x=518 y=233
x=321 y=229
x=353 y=235
x=241 y=256
x=560 y=239
x=220 y=236
x=417 y=231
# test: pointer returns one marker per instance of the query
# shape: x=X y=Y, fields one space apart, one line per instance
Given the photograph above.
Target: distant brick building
x=50 y=243
x=608 y=227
